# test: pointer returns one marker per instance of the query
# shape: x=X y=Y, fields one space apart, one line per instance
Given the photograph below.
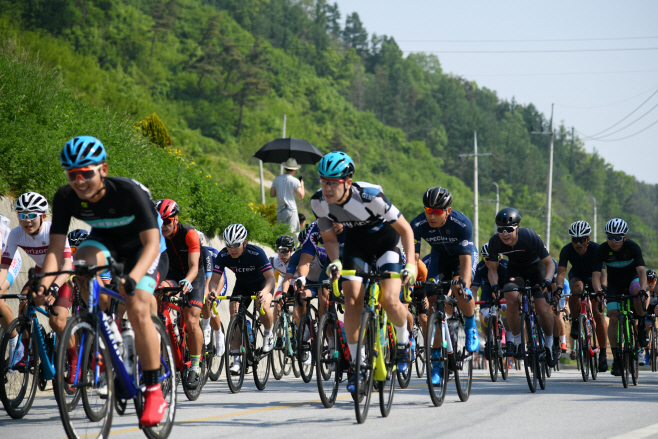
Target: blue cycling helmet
x=336 y=164
x=82 y=151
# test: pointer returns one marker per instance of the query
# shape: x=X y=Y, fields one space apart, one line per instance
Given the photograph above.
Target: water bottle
x=251 y=335
x=129 y=342
x=116 y=335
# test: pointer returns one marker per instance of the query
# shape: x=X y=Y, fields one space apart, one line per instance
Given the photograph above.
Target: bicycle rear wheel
x=624 y=350
x=279 y=353
x=463 y=363
x=236 y=333
x=503 y=364
x=19 y=380
x=327 y=352
x=387 y=387
x=305 y=354
x=95 y=381
x=654 y=346
x=192 y=394
x=529 y=354
x=216 y=362
x=420 y=351
x=593 y=345
x=436 y=356
x=363 y=368
x=492 y=351
x=582 y=348
x=261 y=361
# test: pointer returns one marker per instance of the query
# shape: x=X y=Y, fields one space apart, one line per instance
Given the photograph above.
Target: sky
x=594 y=85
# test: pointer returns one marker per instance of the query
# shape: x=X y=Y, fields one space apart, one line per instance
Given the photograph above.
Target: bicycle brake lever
x=51 y=310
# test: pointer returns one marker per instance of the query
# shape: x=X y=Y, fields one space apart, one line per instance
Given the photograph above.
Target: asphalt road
x=568 y=407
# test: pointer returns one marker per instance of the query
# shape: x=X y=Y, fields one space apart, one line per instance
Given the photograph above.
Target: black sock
x=151 y=377
x=602 y=352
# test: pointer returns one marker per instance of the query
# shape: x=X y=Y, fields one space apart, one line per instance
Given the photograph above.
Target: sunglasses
x=84 y=174
x=436 y=212
x=580 y=240
x=331 y=183
x=507 y=230
x=615 y=238
x=284 y=251
x=28 y=216
x=233 y=245
x=73 y=250
x=167 y=221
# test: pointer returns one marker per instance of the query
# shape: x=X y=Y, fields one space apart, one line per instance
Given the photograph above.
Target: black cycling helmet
x=651 y=275
x=285 y=241
x=301 y=237
x=508 y=216
x=77 y=236
x=437 y=198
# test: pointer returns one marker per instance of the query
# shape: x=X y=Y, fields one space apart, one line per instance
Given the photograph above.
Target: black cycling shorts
x=516 y=277
x=195 y=297
x=587 y=281
x=242 y=290
x=362 y=247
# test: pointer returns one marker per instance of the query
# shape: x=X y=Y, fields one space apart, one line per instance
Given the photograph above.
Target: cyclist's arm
x=61 y=279
x=54 y=257
x=304 y=265
x=604 y=277
x=4 y=271
x=596 y=280
x=561 y=272
x=550 y=268
x=269 y=281
x=7 y=257
x=216 y=282
x=285 y=285
x=642 y=274
x=151 y=241
x=403 y=227
x=331 y=244
x=465 y=271
x=493 y=272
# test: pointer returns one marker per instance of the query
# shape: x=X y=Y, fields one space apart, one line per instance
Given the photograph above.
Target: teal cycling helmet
x=82 y=151
x=336 y=164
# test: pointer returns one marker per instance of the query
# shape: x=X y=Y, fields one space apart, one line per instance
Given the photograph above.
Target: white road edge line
x=639 y=433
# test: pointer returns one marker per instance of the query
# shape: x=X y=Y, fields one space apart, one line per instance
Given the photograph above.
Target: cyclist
x=374 y=229
x=481 y=280
x=253 y=273
x=213 y=322
x=16 y=260
x=187 y=270
x=528 y=260
x=651 y=309
x=125 y=227
x=285 y=246
x=33 y=236
x=626 y=272
x=580 y=254
x=450 y=235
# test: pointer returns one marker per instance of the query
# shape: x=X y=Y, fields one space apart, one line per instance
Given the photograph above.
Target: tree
x=355 y=35
x=164 y=14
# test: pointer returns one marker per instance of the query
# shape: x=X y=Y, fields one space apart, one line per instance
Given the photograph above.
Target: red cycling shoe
x=154 y=407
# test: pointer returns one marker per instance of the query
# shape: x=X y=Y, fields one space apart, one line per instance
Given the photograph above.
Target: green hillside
x=221 y=74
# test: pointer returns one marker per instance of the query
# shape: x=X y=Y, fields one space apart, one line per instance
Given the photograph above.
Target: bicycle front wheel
x=420 y=351
x=492 y=351
x=279 y=353
x=363 y=371
x=436 y=358
x=635 y=353
x=328 y=355
x=529 y=354
x=236 y=335
x=582 y=348
x=305 y=354
x=463 y=363
x=624 y=350
x=19 y=374
x=261 y=361
x=387 y=387
x=593 y=346
x=215 y=361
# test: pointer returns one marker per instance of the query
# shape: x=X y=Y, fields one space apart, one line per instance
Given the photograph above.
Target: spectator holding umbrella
x=284 y=188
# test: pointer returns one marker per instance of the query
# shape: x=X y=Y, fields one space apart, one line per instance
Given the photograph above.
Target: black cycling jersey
x=581 y=266
x=248 y=268
x=528 y=250
x=621 y=265
x=119 y=217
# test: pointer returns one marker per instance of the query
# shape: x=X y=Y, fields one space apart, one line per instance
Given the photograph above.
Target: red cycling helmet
x=167 y=208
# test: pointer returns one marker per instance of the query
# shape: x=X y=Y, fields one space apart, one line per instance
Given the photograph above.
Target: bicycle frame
x=626 y=328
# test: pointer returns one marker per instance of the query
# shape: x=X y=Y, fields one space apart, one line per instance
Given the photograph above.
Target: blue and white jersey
x=209 y=254
x=248 y=268
x=314 y=245
x=366 y=208
x=454 y=238
x=481 y=277
x=316 y=268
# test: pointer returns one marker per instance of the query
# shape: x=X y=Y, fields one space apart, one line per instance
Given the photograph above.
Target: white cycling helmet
x=616 y=226
x=580 y=229
x=31 y=202
x=235 y=234
x=202 y=237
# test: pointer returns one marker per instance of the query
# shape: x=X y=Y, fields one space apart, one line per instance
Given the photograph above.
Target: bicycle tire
x=76 y=422
x=635 y=353
x=387 y=388
x=435 y=332
x=420 y=351
x=623 y=349
x=529 y=354
x=216 y=362
x=328 y=380
x=365 y=348
x=594 y=346
x=236 y=329
x=192 y=394
x=292 y=364
x=279 y=354
x=582 y=348
x=542 y=364
x=503 y=365
x=463 y=364
x=305 y=348
x=168 y=386
x=260 y=361
x=18 y=401
x=654 y=346
x=492 y=351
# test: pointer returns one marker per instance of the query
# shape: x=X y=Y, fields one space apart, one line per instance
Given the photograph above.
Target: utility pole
x=549 y=189
x=497 y=204
x=594 y=199
x=283 y=137
x=475 y=188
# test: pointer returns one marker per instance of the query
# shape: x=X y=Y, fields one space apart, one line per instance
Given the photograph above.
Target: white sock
x=12 y=343
x=548 y=341
x=267 y=331
x=205 y=322
x=402 y=334
x=563 y=339
x=509 y=336
x=517 y=339
x=352 y=347
x=218 y=334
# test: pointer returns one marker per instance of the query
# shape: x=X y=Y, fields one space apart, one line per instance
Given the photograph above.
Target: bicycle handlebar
x=373 y=276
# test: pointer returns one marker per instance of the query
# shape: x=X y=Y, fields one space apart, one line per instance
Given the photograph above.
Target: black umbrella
x=280 y=150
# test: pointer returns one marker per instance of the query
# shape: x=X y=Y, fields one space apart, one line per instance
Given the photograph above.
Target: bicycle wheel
x=192 y=394
x=292 y=364
x=435 y=333
x=635 y=353
x=216 y=362
x=327 y=352
x=582 y=348
x=305 y=355
x=654 y=347
x=463 y=363
x=420 y=351
x=529 y=354
x=236 y=333
x=387 y=387
x=19 y=380
x=492 y=351
x=593 y=346
x=364 y=362
x=624 y=351
x=261 y=361
x=279 y=353
x=95 y=379
x=503 y=365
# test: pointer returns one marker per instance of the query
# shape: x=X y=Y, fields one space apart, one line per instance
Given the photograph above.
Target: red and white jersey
x=35 y=246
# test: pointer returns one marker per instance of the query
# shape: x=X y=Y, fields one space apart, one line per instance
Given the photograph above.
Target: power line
x=566 y=74
x=523 y=51
x=526 y=41
x=627 y=137
x=613 y=103
x=623 y=128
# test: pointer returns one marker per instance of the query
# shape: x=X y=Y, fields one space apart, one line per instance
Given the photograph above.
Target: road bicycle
x=445 y=342
x=101 y=374
x=494 y=347
x=532 y=340
x=627 y=341
x=307 y=334
x=416 y=309
x=244 y=342
x=587 y=347
x=284 y=354
x=215 y=362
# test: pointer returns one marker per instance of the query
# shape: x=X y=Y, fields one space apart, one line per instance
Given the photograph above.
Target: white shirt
x=35 y=246
x=285 y=186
